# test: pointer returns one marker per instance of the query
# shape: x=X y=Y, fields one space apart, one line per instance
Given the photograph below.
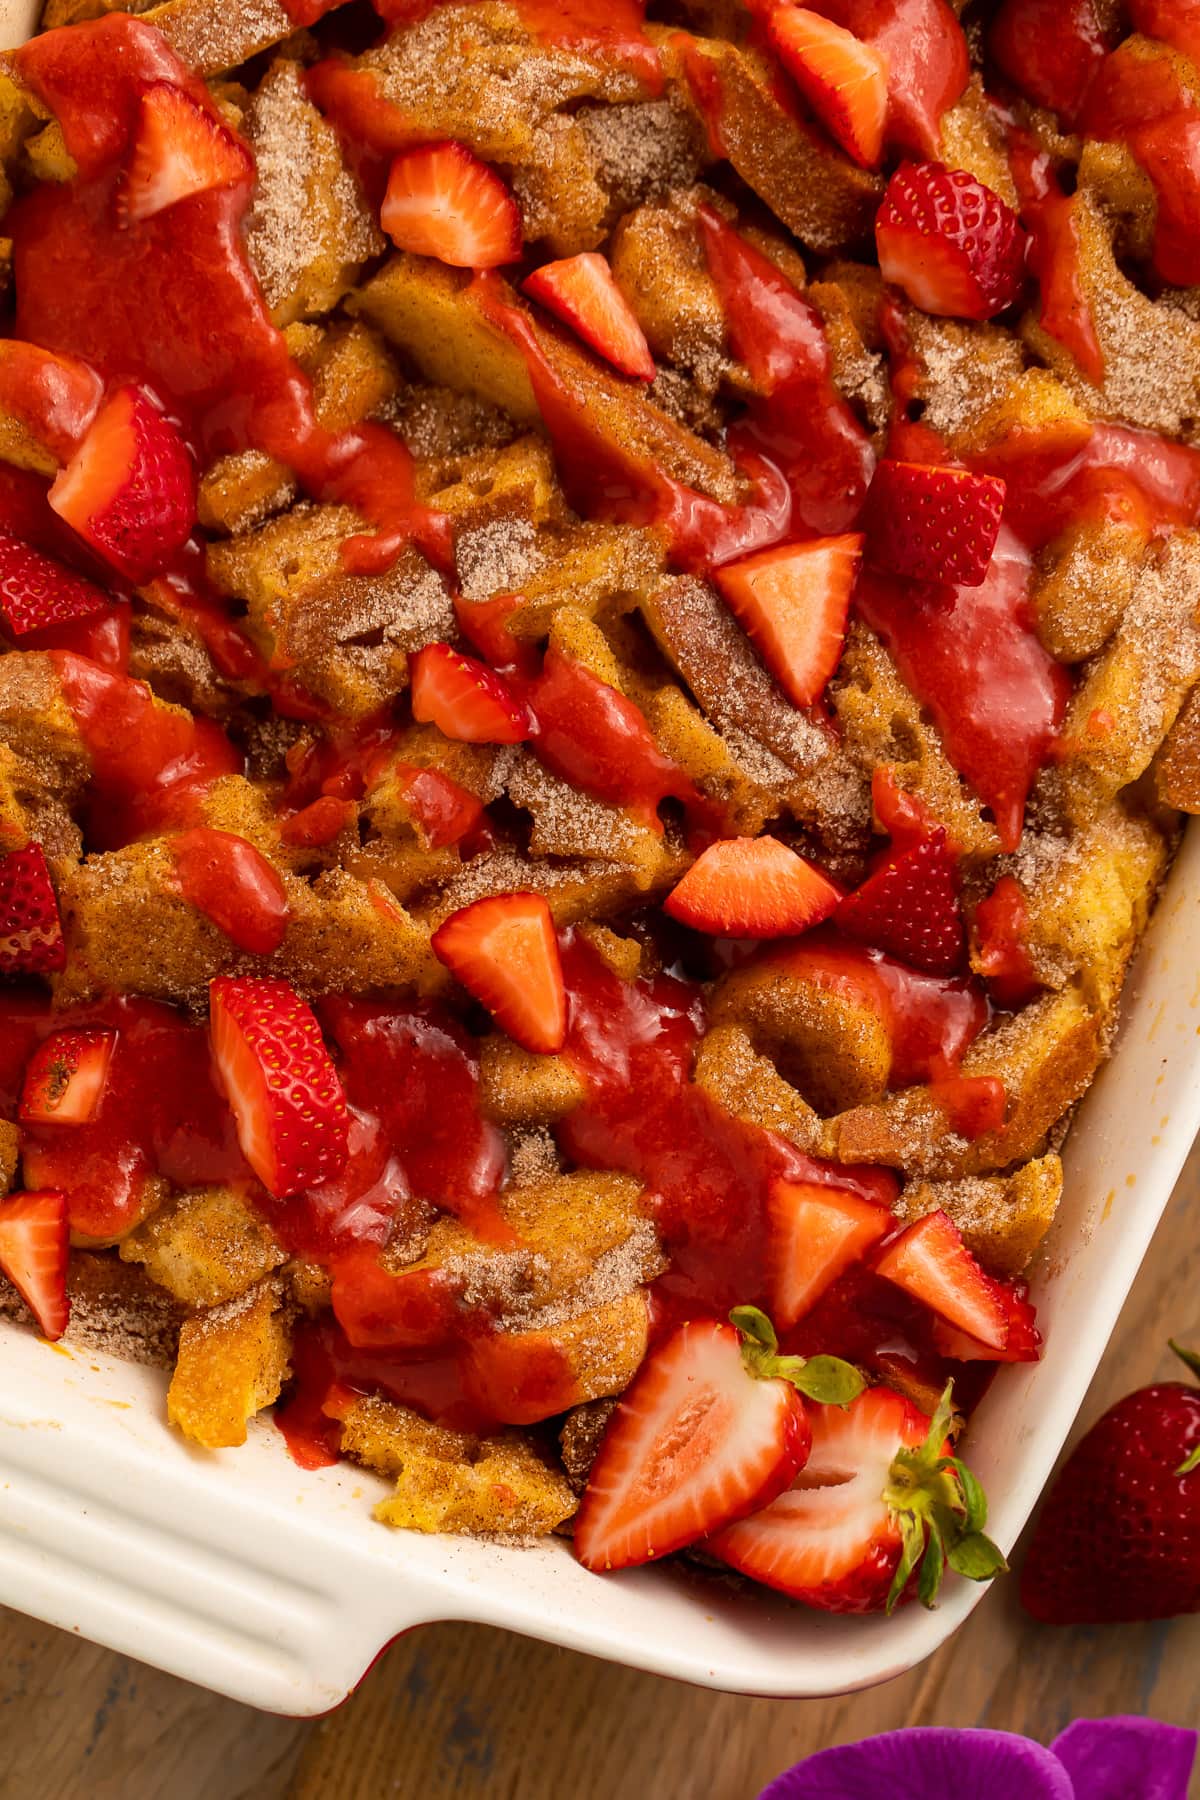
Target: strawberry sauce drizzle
x=1145 y=103
x=171 y=302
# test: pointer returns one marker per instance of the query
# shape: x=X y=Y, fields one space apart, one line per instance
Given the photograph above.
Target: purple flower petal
x=1110 y=1759
x=927 y=1763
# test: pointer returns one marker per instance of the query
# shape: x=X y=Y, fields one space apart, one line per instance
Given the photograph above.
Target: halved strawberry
x=581 y=291
x=930 y=1261
x=952 y=244
x=65 y=1077
x=844 y=80
x=712 y=1426
x=180 y=148
x=792 y=601
x=31 y=936
x=443 y=201
x=505 y=952
x=930 y=523
x=1023 y=1342
x=815 y=1232
x=33 y=1254
x=878 y=1496
x=910 y=908
x=130 y=488
x=752 y=888
x=37 y=592
x=287 y=1101
x=465 y=699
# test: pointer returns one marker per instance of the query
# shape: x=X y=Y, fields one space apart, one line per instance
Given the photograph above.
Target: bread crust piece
x=233 y=1360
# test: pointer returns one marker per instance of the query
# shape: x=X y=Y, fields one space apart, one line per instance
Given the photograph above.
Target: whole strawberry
x=1119 y=1534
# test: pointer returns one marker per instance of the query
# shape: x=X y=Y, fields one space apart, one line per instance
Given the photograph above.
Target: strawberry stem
x=825 y=1379
x=941 y=1510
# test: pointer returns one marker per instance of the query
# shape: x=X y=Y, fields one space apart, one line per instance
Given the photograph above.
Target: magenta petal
x=928 y=1763
x=1109 y=1759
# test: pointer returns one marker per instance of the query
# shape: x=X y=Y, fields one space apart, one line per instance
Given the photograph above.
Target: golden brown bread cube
x=518 y=1087
x=39 y=729
x=309 y=230
x=580 y=1439
x=574 y=890
x=733 y=1073
x=1003 y=1218
x=1177 y=769
x=436 y=314
x=10 y=1150
x=210 y=35
x=568 y=823
x=31 y=812
x=816 y=191
x=205 y=1246
x=825 y=1039
x=233 y=1360
x=596 y=1354
x=345 y=637
x=659 y=265
x=1084 y=581
x=972 y=133
x=446 y=1481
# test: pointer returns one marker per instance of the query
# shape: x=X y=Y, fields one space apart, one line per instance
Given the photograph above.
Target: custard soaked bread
x=601 y=622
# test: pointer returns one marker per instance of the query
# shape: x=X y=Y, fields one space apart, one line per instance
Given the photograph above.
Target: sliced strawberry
x=752 y=888
x=130 y=488
x=952 y=244
x=581 y=291
x=36 y=592
x=465 y=700
x=180 y=148
x=1023 y=1342
x=930 y=1261
x=443 y=201
x=910 y=908
x=712 y=1427
x=66 y=1076
x=877 y=1496
x=505 y=952
x=287 y=1101
x=929 y=523
x=33 y=1254
x=31 y=936
x=844 y=80
x=815 y=1233
x=792 y=601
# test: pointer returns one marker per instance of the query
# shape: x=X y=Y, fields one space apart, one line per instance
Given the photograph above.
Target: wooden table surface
x=458 y=1710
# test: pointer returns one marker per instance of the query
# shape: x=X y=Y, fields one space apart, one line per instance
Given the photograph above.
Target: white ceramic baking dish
x=240 y=1572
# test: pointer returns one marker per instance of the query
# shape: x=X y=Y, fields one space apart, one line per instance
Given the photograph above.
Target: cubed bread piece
x=1087 y=899
x=38 y=727
x=658 y=261
x=973 y=138
x=1150 y=350
x=114 y=1308
x=10 y=1150
x=345 y=637
x=1002 y=1217
x=446 y=1481
x=883 y=724
x=1131 y=694
x=859 y=371
x=513 y=484
x=625 y=956
x=1177 y=769
x=1085 y=580
x=437 y=315
x=580 y=1438
x=1045 y=1055
x=826 y=1038
x=310 y=229
x=437 y=422
x=958 y=372
x=749 y=1086
x=233 y=1360
x=569 y=823
x=30 y=812
x=641 y=149
x=518 y=1087
x=791 y=165
x=170 y=655
x=529 y=1375
x=205 y=1246
x=573 y=890
x=211 y=35
x=591 y=567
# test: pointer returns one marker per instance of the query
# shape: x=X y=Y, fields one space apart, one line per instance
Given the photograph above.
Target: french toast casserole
x=600 y=614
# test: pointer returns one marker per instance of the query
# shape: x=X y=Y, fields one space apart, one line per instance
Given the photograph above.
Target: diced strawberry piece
x=927 y=61
x=36 y=592
x=752 y=888
x=130 y=488
x=31 y=936
x=973 y=1104
x=464 y=699
x=844 y=80
x=443 y=201
x=910 y=908
x=954 y=246
x=1023 y=1342
x=832 y=1540
x=906 y=819
x=581 y=291
x=696 y=1442
x=287 y=1101
x=318 y=823
x=792 y=601
x=65 y=1080
x=505 y=952
x=815 y=1233
x=1002 y=946
x=33 y=1254
x=930 y=1261
x=933 y=524
x=1051 y=49
x=180 y=148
